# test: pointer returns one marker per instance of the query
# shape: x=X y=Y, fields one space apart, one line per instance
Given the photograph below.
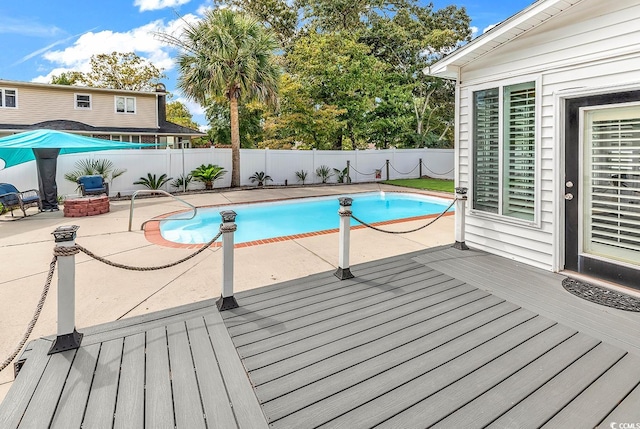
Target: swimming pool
x=262 y=221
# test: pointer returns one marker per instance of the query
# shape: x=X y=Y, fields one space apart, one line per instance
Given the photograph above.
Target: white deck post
x=343 y=272
x=461 y=195
x=227 y=301
x=67 y=338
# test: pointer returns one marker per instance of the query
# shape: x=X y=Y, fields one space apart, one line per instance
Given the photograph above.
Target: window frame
x=125 y=99
x=3 y=98
x=501 y=86
x=75 y=104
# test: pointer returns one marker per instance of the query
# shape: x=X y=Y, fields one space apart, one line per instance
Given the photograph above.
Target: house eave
x=531 y=17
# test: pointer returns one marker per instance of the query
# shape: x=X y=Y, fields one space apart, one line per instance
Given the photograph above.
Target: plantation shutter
x=486 y=150
x=612 y=191
x=519 y=151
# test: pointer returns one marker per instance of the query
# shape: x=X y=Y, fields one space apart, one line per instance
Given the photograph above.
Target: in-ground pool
x=292 y=217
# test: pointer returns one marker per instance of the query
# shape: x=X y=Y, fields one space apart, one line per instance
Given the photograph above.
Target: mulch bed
x=601 y=295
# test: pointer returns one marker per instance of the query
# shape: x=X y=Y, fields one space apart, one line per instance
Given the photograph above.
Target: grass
x=424 y=183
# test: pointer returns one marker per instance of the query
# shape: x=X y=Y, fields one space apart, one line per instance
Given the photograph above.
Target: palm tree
x=227 y=53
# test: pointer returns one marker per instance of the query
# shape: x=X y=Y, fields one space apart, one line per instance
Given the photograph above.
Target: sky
x=42 y=38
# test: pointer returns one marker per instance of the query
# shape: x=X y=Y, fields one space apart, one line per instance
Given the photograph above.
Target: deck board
x=438 y=337
x=130 y=405
x=186 y=391
x=519 y=385
x=159 y=400
x=74 y=397
x=102 y=398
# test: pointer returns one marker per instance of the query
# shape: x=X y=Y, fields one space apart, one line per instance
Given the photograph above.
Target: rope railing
x=437 y=174
x=74 y=249
x=34 y=319
x=343 y=271
x=402 y=173
x=368 y=225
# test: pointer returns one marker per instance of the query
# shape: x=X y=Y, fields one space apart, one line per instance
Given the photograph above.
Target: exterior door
x=602 y=187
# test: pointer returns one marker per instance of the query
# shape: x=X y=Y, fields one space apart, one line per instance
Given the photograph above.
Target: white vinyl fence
x=281 y=165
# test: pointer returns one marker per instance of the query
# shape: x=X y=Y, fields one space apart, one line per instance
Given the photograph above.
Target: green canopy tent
x=44 y=146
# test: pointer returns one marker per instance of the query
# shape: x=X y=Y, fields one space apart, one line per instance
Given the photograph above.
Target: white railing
x=281 y=165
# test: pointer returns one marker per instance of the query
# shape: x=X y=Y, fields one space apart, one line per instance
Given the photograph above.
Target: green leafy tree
x=250 y=118
x=228 y=54
x=339 y=71
x=67 y=78
x=178 y=113
x=119 y=70
x=301 y=122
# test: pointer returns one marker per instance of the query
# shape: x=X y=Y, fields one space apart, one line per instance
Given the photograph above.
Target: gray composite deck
x=439 y=338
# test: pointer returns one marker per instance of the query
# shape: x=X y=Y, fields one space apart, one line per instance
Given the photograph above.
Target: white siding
x=593 y=44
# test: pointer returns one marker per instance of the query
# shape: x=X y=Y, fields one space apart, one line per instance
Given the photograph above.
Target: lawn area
x=424 y=183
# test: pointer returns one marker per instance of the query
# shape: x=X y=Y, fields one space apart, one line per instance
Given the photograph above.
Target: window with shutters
x=504 y=151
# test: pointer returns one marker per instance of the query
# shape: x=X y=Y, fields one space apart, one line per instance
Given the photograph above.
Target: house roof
x=167 y=128
x=531 y=17
x=160 y=88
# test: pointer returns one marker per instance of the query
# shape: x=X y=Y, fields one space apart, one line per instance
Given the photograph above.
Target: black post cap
x=65 y=233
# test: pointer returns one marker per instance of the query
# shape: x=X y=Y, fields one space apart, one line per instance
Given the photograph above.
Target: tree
x=227 y=53
x=178 y=113
x=116 y=70
x=67 y=78
x=122 y=71
x=339 y=71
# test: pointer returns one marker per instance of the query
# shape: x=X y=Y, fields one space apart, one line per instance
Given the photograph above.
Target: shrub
x=324 y=173
x=259 y=177
x=208 y=174
x=152 y=182
x=342 y=175
x=301 y=175
x=89 y=167
x=182 y=182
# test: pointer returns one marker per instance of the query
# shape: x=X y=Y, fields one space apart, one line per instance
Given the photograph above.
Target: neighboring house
x=131 y=116
x=548 y=137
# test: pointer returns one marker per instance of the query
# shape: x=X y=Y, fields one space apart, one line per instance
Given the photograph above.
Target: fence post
x=347 y=179
x=343 y=272
x=227 y=301
x=461 y=195
x=387 y=166
x=420 y=169
x=67 y=337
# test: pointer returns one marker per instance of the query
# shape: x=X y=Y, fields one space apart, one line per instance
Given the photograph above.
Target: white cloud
x=474 y=31
x=489 y=27
x=145 y=5
x=142 y=40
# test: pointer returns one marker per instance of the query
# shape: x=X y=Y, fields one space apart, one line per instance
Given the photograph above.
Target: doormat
x=602 y=296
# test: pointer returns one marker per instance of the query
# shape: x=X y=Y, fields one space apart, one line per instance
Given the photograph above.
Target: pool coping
x=153 y=235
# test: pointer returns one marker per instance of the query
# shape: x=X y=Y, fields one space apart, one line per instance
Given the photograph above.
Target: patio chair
x=93 y=185
x=12 y=199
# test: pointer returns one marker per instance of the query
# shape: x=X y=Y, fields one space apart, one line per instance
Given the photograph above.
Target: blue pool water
x=278 y=219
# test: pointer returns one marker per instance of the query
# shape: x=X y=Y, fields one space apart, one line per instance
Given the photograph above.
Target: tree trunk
x=235 y=143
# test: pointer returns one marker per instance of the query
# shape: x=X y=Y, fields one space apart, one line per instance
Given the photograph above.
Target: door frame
x=568 y=104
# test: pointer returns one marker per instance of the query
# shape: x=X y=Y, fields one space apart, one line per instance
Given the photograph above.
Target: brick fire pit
x=86 y=206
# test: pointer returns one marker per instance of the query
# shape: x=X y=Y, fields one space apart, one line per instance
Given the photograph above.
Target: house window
x=83 y=101
x=8 y=98
x=126 y=104
x=504 y=157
